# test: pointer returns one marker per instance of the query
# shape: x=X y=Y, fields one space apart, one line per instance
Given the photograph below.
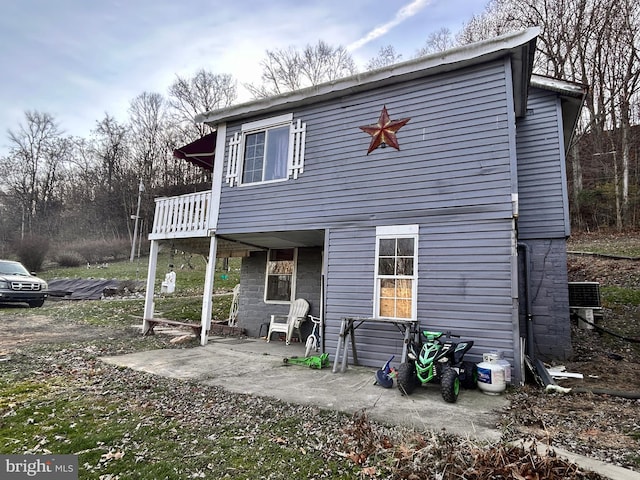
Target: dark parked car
x=18 y=285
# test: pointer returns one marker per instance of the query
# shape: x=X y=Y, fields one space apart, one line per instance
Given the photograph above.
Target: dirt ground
x=603 y=425
x=19 y=330
x=605 y=360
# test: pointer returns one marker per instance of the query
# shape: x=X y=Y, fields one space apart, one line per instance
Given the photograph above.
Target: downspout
x=526 y=252
x=323 y=290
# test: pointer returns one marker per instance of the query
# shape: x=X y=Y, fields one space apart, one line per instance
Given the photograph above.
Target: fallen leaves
x=448 y=457
x=110 y=455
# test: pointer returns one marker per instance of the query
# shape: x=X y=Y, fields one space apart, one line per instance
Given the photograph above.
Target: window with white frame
x=265 y=155
x=280 y=277
x=396 y=271
x=266 y=151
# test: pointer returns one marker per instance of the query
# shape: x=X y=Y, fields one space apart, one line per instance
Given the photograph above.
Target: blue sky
x=77 y=59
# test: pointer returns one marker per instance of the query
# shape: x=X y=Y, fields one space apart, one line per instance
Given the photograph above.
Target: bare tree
x=149 y=123
x=624 y=87
x=33 y=170
x=83 y=187
x=437 y=42
x=112 y=149
x=324 y=63
x=490 y=23
x=203 y=92
x=289 y=69
x=386 y=56
x=597 y=45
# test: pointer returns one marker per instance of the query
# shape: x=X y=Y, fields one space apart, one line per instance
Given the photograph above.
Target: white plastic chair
x=169 y=284
x=290 y=323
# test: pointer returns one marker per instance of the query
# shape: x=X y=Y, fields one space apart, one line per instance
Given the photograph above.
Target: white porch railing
x=185 y=216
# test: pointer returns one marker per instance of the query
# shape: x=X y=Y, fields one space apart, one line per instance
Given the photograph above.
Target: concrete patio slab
x=252 y=366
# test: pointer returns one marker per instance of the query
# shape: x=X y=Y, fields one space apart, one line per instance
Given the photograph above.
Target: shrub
x=31 y=251
x=69 y=259
x=99 y=251
x=93 y=251
x=120 y=249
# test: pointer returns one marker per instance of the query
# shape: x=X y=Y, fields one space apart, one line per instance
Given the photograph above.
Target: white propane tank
x=501 y=361
x=491 y=375
x=507 y=369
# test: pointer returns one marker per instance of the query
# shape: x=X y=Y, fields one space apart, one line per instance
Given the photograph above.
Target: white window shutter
x=232 y=160
x=297 y=138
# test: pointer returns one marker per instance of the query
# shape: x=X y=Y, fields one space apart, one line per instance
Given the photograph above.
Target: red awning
x=200 y=152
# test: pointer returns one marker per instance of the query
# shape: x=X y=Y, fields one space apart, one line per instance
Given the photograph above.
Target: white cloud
x=77 y=59
x=404 y=13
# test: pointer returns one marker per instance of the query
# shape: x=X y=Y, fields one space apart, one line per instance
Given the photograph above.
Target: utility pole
x=137 y=218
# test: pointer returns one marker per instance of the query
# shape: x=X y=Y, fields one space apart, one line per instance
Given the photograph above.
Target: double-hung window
x=396 y=271
x=267 y=150
x=265 y=155
x=280 y=277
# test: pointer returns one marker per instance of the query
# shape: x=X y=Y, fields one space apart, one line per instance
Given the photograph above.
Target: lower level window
x=281 y=265
x=396 y=271
x=396 y=299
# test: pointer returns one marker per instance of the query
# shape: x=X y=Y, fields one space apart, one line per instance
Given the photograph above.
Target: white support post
x=212 y=221
x=207 y=298
x=216 y=181
x=151 y=276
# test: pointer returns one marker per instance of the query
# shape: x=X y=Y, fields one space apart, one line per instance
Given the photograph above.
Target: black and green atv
x=437 y=358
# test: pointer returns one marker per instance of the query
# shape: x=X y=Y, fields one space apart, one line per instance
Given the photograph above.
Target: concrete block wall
x=550 y=297
x=253 y=312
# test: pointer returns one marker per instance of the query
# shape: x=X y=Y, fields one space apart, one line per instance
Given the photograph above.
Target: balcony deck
x=184 y=216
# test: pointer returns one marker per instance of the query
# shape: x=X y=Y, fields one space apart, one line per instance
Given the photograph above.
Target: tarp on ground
x=81 y=288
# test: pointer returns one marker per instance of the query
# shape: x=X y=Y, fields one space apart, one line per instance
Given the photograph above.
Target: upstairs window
x=266 y=150
x=281 y=268
x=396 y=271
x=265 y=155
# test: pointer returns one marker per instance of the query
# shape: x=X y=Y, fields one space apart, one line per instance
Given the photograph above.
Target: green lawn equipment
x=314 y=361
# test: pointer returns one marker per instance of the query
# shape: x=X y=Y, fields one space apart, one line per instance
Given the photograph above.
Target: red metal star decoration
x=384 y=132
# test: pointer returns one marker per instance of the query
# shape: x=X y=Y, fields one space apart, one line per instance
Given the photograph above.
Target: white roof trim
x=514 y=43
x=561 y=86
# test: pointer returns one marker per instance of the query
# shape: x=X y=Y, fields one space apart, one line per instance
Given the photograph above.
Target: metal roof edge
x=565 y=87
x=453 y=59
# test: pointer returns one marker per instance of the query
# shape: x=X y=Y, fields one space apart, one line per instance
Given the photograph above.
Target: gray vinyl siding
x=462 y=287
x=350 y=285
x=541 y=169
x=452 y=177
x=454 y=154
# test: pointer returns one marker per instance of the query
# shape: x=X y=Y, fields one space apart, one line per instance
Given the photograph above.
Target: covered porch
x=182 y=222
